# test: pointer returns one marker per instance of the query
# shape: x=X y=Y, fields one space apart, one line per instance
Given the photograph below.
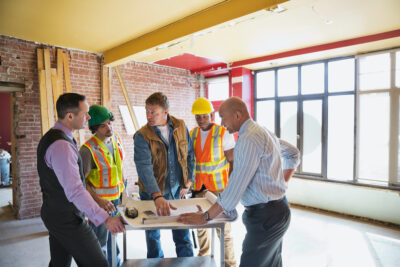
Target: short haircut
x=94 y=128
x=68 y=102
x=158 y=99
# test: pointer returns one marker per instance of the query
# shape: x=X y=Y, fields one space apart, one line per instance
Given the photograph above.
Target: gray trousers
x=262 y=245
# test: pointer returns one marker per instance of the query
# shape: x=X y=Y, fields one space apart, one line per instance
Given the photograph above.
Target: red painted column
x=242 y=86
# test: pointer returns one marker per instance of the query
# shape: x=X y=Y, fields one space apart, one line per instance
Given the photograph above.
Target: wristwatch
x=206 y=216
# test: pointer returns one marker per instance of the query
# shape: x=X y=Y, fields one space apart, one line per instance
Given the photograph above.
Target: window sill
x=395 y=188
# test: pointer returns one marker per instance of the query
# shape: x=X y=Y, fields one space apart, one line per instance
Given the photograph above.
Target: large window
x=217 y=91
x=342 y=113
x=218 y=88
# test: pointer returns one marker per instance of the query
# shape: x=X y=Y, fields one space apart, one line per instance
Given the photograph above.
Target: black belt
x=262 y=205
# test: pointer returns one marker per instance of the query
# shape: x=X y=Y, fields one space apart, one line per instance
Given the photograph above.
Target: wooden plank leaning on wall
x=51 y=86
x=128 y=102
x=42 y=92
x=105 y=87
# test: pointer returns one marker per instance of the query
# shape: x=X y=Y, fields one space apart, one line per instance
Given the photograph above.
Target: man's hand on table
x=114 y=225
x=163 y=206
x=194 y=218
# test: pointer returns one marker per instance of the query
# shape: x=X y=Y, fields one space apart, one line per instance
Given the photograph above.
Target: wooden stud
x=128 y=102
x=49 y=88
x=40 y=60
x=42 y=92
x=66 y=74
x=60 y=73
x=105 y=87
x=43 y=102
x=54 y=85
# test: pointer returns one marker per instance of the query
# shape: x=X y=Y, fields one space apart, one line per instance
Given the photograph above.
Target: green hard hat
x=98 y=115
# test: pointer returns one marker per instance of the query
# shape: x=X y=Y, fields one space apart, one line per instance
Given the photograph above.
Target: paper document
x=181 y=210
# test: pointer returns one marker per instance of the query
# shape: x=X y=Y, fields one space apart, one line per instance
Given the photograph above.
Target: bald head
x=235 y=104
x=233 y=113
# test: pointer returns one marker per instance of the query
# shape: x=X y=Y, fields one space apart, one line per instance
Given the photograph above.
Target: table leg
x=222 y=244
x=212 y=241
x=124 y=243
x=113 y=250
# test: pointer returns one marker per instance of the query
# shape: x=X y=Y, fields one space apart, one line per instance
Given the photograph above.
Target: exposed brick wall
x=141 y=80
x=18 y=64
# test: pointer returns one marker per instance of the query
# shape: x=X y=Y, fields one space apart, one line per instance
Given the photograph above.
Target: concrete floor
x=314 y=239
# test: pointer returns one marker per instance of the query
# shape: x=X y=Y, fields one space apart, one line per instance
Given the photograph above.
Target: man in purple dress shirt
x=66 y=202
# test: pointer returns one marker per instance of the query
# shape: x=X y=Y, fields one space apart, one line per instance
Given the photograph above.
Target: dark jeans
x=262 y=245
x=104 y=237
x=71 y=236
x=183 y=243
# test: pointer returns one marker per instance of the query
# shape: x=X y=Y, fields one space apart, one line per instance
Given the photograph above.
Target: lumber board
x=43 y=102
x=105 y=87
x=40 y=60
x=128 y=102
x=68 y=88
x=54 y=85
x=49 y=88
x=60 y=72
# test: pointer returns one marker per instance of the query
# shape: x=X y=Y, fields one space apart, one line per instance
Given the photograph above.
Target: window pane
x=265 y=84
x=341 y=75
x=312 y=127
x=218 y=88
x=341 y=137
x=266 y=114
x=289 y=122
x=288 y=81
x=375 y=72
x=398 y=69
x=312 y=78
x=374 y=137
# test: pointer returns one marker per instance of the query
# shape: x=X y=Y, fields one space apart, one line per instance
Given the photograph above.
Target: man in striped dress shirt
x=259 y=181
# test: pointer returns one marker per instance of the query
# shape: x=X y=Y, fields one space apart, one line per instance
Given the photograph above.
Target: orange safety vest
x=211 y=166
x=106 y=180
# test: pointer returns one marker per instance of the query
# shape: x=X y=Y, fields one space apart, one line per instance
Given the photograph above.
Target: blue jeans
x=104 y=237
x=183 y=243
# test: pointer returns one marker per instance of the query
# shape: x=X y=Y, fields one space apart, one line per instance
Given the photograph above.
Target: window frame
x=393 y=182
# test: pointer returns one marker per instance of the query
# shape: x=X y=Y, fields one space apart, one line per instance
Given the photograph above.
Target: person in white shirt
x=213 y=148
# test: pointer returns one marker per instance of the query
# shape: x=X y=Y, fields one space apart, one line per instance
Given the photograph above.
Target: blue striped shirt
x=257 y=175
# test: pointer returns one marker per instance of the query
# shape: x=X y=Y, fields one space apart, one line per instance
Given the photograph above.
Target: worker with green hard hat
x=102 y=157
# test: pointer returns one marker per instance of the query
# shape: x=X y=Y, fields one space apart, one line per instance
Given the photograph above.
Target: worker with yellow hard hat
x=213 y=148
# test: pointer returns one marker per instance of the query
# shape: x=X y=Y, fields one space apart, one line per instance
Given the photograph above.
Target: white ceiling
x=99 y=25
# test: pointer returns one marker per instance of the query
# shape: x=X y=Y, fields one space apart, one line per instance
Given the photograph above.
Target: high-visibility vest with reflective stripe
x=211 y=166
x=106 y=180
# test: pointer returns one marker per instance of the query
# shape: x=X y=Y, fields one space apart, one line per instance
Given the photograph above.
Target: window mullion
x=394 y=126
x=357 y=121
x=324 y=137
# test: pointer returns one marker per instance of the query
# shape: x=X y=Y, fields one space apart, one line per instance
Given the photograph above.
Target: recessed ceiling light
x=277 y=9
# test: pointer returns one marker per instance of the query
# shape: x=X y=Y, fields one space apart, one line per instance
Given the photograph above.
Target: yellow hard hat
x=202 y=106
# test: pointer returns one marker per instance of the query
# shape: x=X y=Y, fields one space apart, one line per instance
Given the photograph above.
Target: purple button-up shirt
x=62 y=157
